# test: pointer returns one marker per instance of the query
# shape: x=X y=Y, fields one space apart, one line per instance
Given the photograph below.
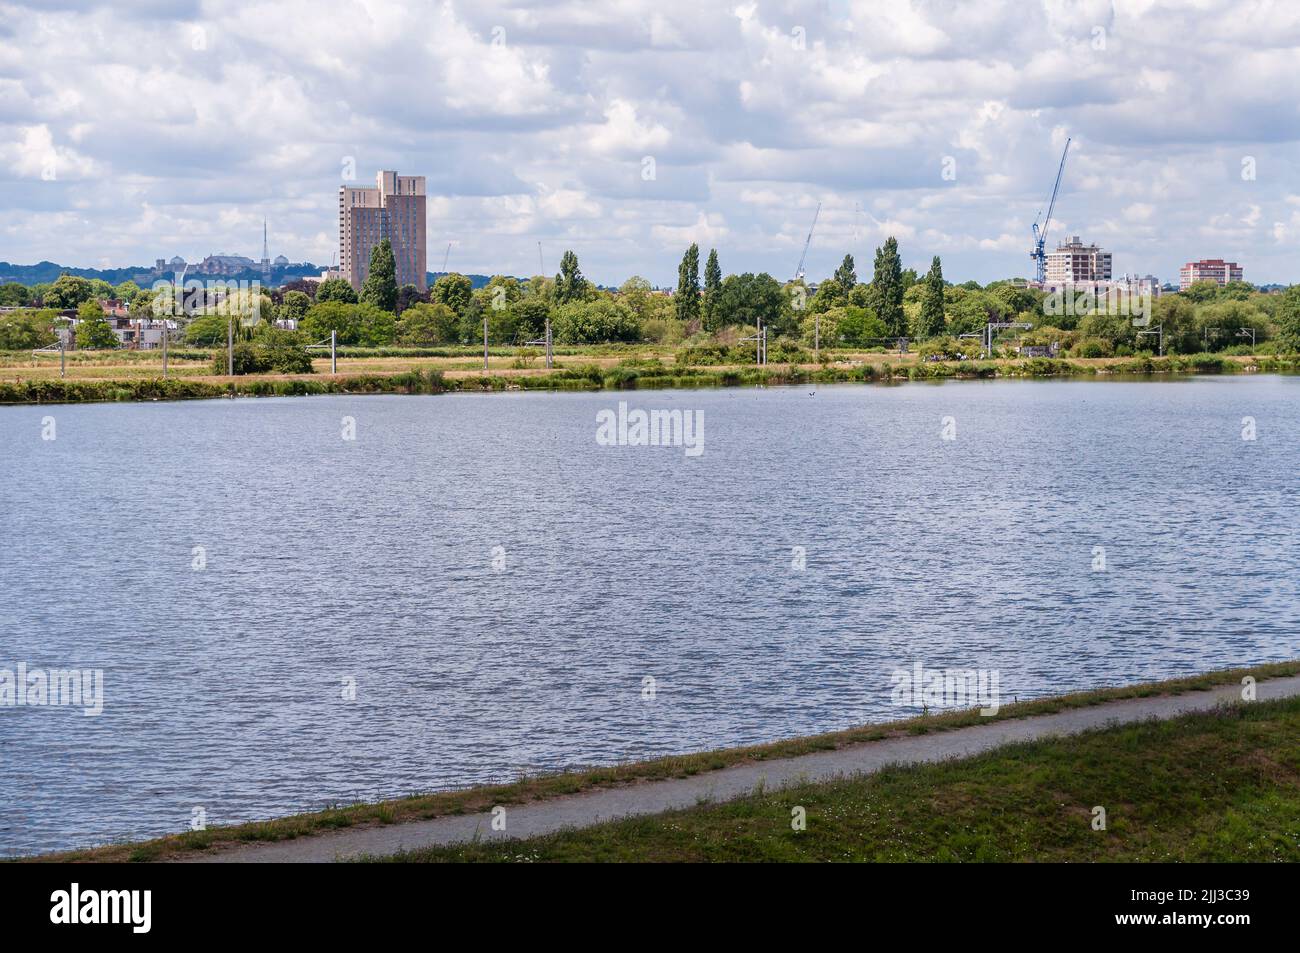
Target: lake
x=474 y=587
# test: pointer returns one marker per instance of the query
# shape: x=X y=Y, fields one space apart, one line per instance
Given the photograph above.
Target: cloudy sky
x=627 y=129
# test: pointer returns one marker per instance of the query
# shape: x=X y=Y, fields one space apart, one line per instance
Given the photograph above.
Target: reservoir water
x=474 y=587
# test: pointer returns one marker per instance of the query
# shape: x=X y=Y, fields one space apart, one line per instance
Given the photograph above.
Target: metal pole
x=548 y=342
x=334 y=360
x=164 y=348
x=63 y=369
x=230 y=345
x=817 y=337
x=485 y=347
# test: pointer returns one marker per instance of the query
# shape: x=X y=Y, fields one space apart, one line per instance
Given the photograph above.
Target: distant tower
x=393 y=209
x=266 y=254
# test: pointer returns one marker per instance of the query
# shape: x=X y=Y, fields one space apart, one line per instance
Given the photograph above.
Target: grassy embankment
x=524 y=790
x=1218 y=786
x=113 y=377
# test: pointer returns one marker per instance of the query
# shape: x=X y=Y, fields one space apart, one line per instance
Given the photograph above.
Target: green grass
x=57 y=390
x=539 y=787
x=142 y=383
x=1211 y=786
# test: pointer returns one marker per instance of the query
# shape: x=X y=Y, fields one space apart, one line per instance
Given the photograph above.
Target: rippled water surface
x=372 y=560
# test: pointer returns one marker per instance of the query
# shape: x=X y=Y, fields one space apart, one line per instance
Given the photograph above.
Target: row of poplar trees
x=885 y=295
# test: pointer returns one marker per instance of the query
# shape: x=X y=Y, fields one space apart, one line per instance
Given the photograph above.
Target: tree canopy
x=380 y=288
x=570 y=285
x=687 y=299
x=887 y=289
x=336 y=289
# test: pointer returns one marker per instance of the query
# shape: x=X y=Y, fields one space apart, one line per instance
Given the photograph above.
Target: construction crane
x=446 y=258
x=1040 y=238
x=799 y=272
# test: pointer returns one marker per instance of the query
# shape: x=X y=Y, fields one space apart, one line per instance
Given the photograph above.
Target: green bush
x=362 y=324
x=712 y=355
x=1092 y=347
x=594 y=322
x=243 y=359
x=26 y=330
x=422 y=325
x=279 y=353
x=283 y=350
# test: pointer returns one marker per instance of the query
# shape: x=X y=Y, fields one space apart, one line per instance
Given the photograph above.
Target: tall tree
x=1289 y=318
x=931 y=323
x=380 y=288
x=12 y=294
x=409 y=295
x=751 y=300
x=712 y=289
x=336 y=289
x=887 y=289
x=688 y=285
x=570 y=285
x=68 y=291
x=295 y=306
x=845 y=274
x=93 y=331
x=454 y=290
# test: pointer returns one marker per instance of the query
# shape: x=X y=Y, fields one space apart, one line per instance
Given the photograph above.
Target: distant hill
x=47 y=271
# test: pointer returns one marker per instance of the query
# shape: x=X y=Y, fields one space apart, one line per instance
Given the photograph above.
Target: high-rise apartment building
x=1073 y=261
x=394 y=209
x=1208 y=269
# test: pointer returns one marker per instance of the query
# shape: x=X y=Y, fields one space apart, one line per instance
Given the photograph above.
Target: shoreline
x=628 y=375
x=443 y=804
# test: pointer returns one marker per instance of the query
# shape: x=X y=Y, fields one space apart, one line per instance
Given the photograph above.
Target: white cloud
x=624 y=132
x=33 y=154
x=707 y=230
x=178 y=132
x=567 y=203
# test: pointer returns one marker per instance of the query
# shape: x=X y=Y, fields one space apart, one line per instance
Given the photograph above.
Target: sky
x=627 y=129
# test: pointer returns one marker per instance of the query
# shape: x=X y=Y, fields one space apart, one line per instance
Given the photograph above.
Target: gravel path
x=654 y=797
